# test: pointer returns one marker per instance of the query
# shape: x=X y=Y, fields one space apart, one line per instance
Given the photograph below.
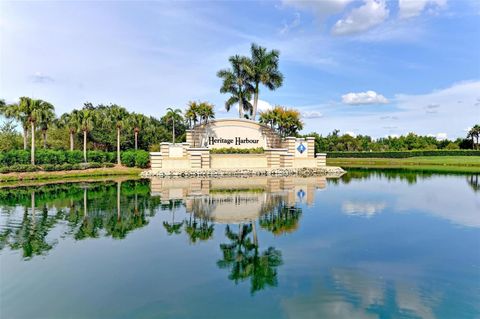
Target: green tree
x=236 y=81
x=192 y=113
x=138 y=122
x=286 y=122
x=15 y=112
x=173 y=116
x=474 y=134
x=118 y=115
x=46 y=119
x=205 y=112
x=68 y=120
x=263 y=69
x=84 y=119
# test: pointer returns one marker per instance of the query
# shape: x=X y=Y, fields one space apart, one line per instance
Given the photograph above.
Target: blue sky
x=365 y=67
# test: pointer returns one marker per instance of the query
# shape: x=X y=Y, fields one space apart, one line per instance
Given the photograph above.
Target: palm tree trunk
x=255 y=101
x=71 y=141
x=136 y=140
x=25 y=137
x=85 y=210
x=240 y=108
x=44 y=133
x=85 y=146
x=173 y=131
x=254 y=228
x=118 y=146
x=119 y=187
x=32 y=154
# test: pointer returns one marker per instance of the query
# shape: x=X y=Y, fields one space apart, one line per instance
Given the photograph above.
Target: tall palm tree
x=118 y=115
x=263 y=69
x=474 y=133
x=13 y=111
x=205 y=112
x=236 y=81
x=138 y=122
x=68 y=120
x=84 y=119
x=173 y=115
x=192 y=113
x=47 y=117
x=35 y=111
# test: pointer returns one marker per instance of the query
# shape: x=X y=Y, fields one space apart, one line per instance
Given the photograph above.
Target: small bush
x=128 y=158
x=18 y=168
x=142 y=158
x=74 y=157
x=232 y=150
x=402 y=154
x=14 y=157
x=94 y=165
x=96 y=156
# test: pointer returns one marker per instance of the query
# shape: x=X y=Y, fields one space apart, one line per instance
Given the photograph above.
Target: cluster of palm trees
x=242 y=80
x=199 y=112
x=35 y=115
x=32 y=114
x=474 y=134
x=285 y=121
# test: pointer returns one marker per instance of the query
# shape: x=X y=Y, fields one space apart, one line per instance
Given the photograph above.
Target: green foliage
x=9 y=137
x=19 y=168
x=74 y=157
x=232 y=150
x=404 y=154
x=135 y=158
x=14 y=157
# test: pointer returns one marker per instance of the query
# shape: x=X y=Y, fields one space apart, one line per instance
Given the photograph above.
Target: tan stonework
x=236 y=133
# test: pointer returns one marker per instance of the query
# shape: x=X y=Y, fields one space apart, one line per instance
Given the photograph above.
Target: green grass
x=67 y=175
x=454 y=164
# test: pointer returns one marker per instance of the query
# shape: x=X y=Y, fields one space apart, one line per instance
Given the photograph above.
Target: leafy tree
x=173 y=116
x=285 y=121
x=15 y=112
x=118 y=115
x=84 y=119
x=138 y=122
x=236 y=81
x=263 y=69
x=67 y=120
x=9 y=137
x=205 y=112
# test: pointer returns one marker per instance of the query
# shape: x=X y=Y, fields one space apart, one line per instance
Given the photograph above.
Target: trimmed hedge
x=53 y=160
x=402 y=154
x=135 y=158
x=232 y=150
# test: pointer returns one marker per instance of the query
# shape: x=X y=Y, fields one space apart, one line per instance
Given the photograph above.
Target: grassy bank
x=454 y=164
x=68 y=175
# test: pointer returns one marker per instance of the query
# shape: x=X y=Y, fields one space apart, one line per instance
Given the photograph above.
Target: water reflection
x=371 y=245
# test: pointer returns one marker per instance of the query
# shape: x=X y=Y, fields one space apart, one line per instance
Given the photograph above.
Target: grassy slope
x=460 y=164
x=64 y=175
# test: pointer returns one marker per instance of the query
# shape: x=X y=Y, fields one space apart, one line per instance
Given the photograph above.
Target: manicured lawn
x=75 y=174
x=466 y=164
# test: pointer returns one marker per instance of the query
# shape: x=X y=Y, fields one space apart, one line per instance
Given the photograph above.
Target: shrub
x=50 y=157
x=142 y=158
x=402 y=154
x=128 y=158
x=74 y=157
x=232 y=150
x=14 y=157
x=18 y=168
x=94 y=165
x=96 y=156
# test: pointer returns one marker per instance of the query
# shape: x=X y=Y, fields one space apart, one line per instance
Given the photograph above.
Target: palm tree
x=205 y=111
x=173 y=115
x=285 y=121
x=263 y=68
x=192 y=113
x=46 y=119
x=236 y=82
x=67 y=120
x=35 y=111
x=474 y=133
x=84 y=121
x=138 y=121
x=13 y=111
x=118 y=115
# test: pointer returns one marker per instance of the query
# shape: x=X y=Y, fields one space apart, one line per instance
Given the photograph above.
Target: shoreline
x=329 y=171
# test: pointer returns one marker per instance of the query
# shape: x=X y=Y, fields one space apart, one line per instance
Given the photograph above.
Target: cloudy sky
x=367 y=67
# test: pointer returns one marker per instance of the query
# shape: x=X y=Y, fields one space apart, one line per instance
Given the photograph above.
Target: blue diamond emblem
x=301 y=148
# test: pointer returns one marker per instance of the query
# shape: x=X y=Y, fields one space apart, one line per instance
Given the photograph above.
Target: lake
x=370 y=244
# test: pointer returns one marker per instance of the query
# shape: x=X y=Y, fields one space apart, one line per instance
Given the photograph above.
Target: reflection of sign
x=301 y=148
x=301 y=194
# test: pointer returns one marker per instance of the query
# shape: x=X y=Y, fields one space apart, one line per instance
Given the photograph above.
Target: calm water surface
x=367 y=245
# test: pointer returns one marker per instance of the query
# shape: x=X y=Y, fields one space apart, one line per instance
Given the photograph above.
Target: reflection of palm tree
x=243 y=259
x=201 y=230
x=282 y=219
x=173 y=227
x=474 y=182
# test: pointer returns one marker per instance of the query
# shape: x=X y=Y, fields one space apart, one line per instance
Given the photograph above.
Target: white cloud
x=292 y=25
x=369 y=97
x=311 y=115
x=321 y=9
x=413 y=8
x=369 y=15
x=439 y=136
x=366 y=209
x=352 y=134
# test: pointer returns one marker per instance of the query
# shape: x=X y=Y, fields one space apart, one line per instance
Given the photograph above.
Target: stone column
x=310 y=146
x=165 y=149
x=286 y=160
x=321 y=159
x=290 y=144
x=273 y=156
x=189 y=136
x=155 y=160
